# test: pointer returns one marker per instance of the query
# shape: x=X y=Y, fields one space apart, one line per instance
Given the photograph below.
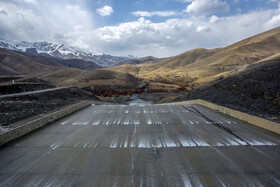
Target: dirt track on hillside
x=13 y=109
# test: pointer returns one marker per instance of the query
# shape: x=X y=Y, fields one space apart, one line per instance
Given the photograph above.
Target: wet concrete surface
x=146 y=145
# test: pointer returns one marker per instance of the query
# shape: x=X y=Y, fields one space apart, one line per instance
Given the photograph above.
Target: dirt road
x=29 y=93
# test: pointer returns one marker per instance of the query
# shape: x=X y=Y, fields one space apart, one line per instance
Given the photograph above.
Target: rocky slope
x=255 y=90
x=13 y=109
x=19 y=85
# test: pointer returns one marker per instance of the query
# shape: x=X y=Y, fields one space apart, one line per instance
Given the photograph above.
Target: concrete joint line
x=254 y=120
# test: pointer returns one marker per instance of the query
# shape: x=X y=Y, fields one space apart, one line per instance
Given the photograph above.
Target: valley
x=226 y=76
x=144 y=93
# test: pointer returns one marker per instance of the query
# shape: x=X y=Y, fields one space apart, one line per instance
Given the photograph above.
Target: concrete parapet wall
x=257 y=121
x=32 y=125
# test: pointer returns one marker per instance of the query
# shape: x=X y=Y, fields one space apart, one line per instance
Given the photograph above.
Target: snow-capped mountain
x=62 y=51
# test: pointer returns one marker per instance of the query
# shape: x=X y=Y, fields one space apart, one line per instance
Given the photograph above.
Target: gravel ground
x=256 y=91
x=22 y=85
x=25 y=107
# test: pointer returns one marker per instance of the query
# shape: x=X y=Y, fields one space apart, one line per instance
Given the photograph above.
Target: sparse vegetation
x=199 y=73
x=203 y=66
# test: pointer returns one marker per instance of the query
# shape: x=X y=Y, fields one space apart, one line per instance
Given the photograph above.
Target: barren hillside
x=202 y=65
x=14 y=63
x=255 y=90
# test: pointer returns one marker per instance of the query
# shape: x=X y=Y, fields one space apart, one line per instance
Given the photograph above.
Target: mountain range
x=189 y=70
x=18 y=64
x=242 y=76
x=63 y=52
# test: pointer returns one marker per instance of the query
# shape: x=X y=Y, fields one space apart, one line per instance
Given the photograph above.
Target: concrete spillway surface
x=164 y=145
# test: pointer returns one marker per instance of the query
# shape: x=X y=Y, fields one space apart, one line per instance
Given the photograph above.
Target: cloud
x=154 y=13
x=273 y=1
x=207 y=6
x=31 y=1
x=51 y=21
x=3 y=12
x=273 y=22
x=72 y=24
x=213 y=19
x=173 y=36
x=105 y=11
x=202 y=28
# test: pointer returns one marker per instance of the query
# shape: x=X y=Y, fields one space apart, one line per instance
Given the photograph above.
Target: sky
x=141 y=28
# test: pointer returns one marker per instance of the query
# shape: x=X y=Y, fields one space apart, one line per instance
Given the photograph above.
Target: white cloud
x=105 y=11
x=49 y=21
x=154 y=13
x=3 y=11
x=202 y=28
x=214 y=19
x=73 y=25
x=31 y=1
x=273 y=22
x=207 y=6
x=173 y=36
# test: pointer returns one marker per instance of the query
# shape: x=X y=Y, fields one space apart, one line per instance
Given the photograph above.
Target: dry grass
x=199 y=66
x=204 y=65
x=13 y=63
x=162 y=86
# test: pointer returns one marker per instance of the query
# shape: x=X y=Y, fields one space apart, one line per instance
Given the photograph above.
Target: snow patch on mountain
x=62 y=51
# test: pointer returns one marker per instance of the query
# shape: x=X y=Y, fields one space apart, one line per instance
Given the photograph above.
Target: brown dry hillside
x=187 y=70
x=147 y=59
x=255 y=90
x=202 y=65
x=13 y=63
